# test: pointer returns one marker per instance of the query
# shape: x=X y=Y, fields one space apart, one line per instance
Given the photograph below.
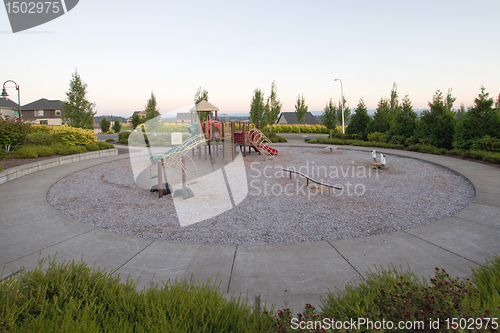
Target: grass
x=73 y=297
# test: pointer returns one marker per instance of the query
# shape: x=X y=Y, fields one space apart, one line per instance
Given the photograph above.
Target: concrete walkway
x=30 y=227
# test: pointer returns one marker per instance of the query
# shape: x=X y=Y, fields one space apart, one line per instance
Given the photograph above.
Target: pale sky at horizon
x=125 y=49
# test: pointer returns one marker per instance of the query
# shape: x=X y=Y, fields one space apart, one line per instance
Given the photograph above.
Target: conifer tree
x=359 y=121
x=257 y=107
x=151 y=110
x=301 y=109
x=78 y=111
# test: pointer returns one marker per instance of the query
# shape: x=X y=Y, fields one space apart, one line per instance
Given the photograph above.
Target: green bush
x=92 y=146
x=42 y=138
x=428 y=149
x=43 y=151
x=123 y=137
x=109 y=140
x=12 y=133
x=486 y=143
x=104 y=145
x=377 y=137
x=71 y=297
x=26 y=152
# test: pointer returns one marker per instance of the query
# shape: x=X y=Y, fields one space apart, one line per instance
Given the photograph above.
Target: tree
x=105 y=123
x=329 y=117
x=78 y=111
x=394 y=101
x=151 y=110
x=257 y=107
x=273 y=107
x=347 y=111
x=136 y=120
x=382 y=119
x=360 y=121
x=482 y=119
x=405 y=120
x=117 y=126
x=301 y=109
x=201 y=95
x=437 y=126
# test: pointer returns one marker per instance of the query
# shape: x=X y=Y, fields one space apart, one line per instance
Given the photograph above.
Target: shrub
x=92 y=146
x=38 y=128
x=486 y=143
x=109 y=140
x=42 y=138
x=76 y=136
x=109 y=132
x=43 y=151
x=123 y=137
x=105 y=145
x=12 y=133
x=428 y=149
x=377 y=137
x=26 y=152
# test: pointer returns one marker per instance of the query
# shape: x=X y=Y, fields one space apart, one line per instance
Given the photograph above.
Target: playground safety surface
x=30 y=227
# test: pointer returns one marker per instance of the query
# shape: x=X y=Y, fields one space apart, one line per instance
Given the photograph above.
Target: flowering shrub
x=76 y=136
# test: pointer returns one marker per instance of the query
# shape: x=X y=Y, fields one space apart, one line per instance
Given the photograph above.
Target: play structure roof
x=204 y=106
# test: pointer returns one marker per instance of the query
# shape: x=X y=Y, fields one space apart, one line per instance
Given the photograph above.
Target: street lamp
x=5 y=95
x=342 y=103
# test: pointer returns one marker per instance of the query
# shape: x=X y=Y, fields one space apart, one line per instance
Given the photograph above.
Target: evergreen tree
x=437 y=126
x=301 y=109
x=405 y=120
x=482 y=119
x=257 y=107
x=329 y=117
x=117 y=126
x=136 y=120
x=105 y=123
x=394 y=101
x=382 y=119
x=347 y=112
x=272 y=108
x=201 y=95
x=151 y=110
x=360 y=121
x=78 y=111
x=460 y=114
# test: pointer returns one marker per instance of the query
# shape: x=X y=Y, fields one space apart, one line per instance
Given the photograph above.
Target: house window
x=58 y=112
x=44 y=122
x=38 y=113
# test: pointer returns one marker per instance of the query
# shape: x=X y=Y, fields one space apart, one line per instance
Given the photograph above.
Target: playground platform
x=30 y=227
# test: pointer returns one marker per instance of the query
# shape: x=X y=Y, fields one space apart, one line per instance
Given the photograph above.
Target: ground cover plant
x=71 y=296
x=22 y=140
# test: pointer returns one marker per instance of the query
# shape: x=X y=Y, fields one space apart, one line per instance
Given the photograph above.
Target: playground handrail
x=313 y=180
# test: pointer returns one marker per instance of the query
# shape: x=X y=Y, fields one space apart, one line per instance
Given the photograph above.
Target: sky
x=124 y=50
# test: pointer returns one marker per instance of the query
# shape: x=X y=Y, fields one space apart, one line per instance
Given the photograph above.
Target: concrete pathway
x=30 y=227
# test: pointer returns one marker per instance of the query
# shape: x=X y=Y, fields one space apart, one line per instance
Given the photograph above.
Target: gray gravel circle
x=405 y=194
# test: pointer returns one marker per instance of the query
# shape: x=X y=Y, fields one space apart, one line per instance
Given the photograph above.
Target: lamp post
x=342 y=103
x=5 y=95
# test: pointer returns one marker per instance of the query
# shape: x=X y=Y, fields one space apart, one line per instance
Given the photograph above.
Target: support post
x=160 y=180
x=183 y=165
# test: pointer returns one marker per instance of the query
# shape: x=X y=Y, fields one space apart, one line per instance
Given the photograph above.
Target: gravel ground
x=405 y=194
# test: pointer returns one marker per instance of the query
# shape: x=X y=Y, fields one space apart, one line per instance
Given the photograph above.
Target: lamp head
x=4 y=93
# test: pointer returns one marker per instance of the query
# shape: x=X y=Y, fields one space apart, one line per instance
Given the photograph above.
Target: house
x=291 y=118
x=43 y=111
x=183 y=117
x=8 y=109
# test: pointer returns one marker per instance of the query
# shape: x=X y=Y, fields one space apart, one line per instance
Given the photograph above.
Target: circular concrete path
x=30 y=227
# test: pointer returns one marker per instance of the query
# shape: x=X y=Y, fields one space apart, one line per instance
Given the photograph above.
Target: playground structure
x=211 y=137
x=381 y=162
x=309 y=179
